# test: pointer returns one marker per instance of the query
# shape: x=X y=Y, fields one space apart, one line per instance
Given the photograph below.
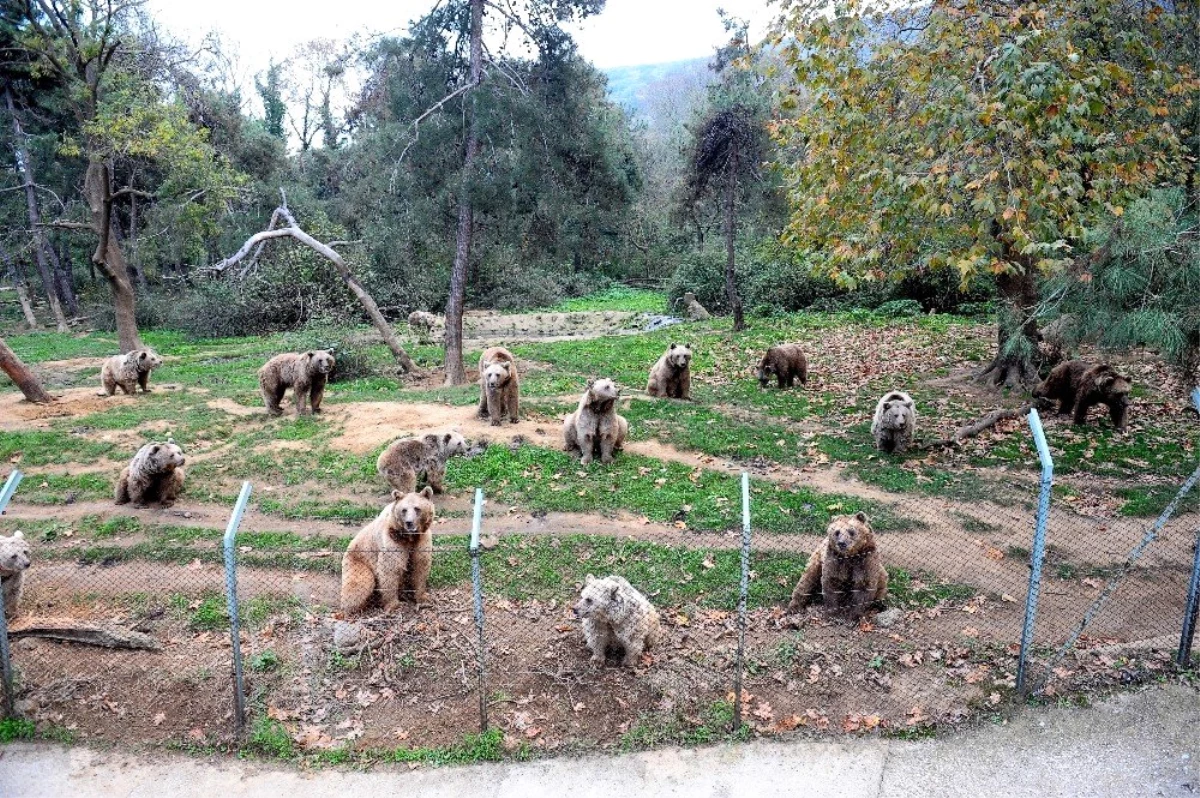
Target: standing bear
x=1078 y=386
x=129 y=371
x=394 y=549
x=155 y=474
x=305 y=373
x=671 y=376
x=616 y=615
x=846 y=568
x=894 y=423
x=499 y=387
x=595 y=428
x=786 y=363
x=14 y=560
x=402 y=461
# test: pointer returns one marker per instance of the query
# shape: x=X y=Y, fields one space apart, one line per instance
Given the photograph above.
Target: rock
x=888 y=618
x=348 y=636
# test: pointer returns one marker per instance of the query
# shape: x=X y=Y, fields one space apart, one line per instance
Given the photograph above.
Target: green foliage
x=617 y=297
x=264 y=662
x=270 y=738
x=16 y=729
x=487 y=746
x=1143 y=289
x=1044 y=123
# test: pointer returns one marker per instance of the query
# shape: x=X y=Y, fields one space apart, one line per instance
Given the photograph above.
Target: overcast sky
x=627 y=32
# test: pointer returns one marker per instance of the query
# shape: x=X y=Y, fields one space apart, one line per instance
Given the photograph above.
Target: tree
x=728 y=150
x=973 y=135
x=122 y=117
x=270 y=91
x=21 y=376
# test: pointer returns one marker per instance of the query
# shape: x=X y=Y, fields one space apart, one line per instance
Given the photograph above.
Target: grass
x=12 y=729
x=618 y=297
x=653 y=730
x=1151 y=500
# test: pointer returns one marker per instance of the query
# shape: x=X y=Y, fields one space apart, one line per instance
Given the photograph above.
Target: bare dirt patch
x=369 y=425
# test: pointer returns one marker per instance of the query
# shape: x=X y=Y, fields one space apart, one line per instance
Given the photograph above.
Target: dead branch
x=293 y=230
x=21 y=376
x=86 y=634
x=416 y=126
x=974 y=428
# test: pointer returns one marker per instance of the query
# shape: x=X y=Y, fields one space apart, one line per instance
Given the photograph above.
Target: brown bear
x=786 y=363
x=695 y=311
x=595 y=428
x=402 y=461
x=1078 y=386
x=129 y=371
x=14 y=560
x=305 y=373
x=846 y=567
x=894 y=423
x=499 y=387
x=427 y=326
x=671 y=376
x=616 y=615
x=395 y=547
x=155 y=474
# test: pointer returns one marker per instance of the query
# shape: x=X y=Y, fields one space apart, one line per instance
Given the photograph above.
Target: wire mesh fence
x=916 y=617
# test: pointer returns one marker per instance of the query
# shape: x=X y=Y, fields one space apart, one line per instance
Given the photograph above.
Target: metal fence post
x=477 y=596
x=1187 y=636
x=6 y=669
x=1037 y=555
x=239 y=689
x=744 y=588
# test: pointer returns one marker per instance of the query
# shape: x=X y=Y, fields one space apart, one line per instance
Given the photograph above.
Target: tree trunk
x=1015 y=362
x=18 y=281
x=456 y=374
x=731 y=291
x=108 y=257
x=63 y=281
x=40 y=245
x=19 y=373
x=134 y=266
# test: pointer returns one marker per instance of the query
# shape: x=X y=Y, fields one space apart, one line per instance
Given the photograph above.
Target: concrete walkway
x=1134 y=746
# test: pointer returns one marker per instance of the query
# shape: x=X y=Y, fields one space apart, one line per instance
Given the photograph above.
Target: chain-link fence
x=557 y=638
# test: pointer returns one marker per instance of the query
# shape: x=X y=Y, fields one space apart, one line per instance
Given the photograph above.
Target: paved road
x=1137 y=745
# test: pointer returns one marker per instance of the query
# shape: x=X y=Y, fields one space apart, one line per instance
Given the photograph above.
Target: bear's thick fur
x=129 y=371
x=895 y=422
x=695 y=311
x=671 y=376
x=786 y=363
x=155 y=474
x=304 y=372
x=595 y=428
x=615 y=614
x=1078 y=386
x=405 y=459
x=394 y=548
x=499 y=386
x=846 y=568
x=14 y=559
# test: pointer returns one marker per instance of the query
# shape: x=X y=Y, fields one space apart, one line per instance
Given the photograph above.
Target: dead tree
x=293 y=230
x=20 y=374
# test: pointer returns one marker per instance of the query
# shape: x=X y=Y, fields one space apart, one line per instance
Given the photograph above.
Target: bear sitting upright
x=595 y=428
x=615 y=614
x=14 y=560
x=846 y=567
x=155 y=474
x=395 y=547
x=671 y=376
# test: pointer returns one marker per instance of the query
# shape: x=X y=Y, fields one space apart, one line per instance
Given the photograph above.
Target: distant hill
x=627 y=85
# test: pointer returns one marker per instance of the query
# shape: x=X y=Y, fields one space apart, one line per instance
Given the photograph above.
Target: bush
x=899 y=309
x=352 y=348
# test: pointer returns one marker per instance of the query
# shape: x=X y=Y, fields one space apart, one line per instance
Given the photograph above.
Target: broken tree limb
x=86 y=634
x=975 y=427
x=294 y=231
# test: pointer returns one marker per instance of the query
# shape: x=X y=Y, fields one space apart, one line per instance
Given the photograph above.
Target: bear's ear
x=614 y=592
x=428 y=493
x=591 y=381
x=861 y=516
x=587 y=580
x=154 y=449
x=447 y=437
x=672 y=347
x=397 y=495
x=887 y=405
x=309 y=355
x=143 y=355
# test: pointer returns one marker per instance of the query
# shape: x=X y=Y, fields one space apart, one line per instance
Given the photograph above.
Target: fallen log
x=86 y=634
x=975 y=427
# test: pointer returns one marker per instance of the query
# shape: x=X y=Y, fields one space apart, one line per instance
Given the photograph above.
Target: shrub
x=352 y=348
x=899 y=309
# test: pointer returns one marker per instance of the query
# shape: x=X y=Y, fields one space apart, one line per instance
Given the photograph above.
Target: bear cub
x=401 y=462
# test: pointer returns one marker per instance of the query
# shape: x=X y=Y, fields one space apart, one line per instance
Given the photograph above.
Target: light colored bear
x=129 y=371
x=14 y=560
x=671 y=376
x=155 y=474
x=428 y=327
x=615 y=614
x=895 y=422
x=594 y=427
x=305 y=373
x=396 y=546
x=405 y=459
